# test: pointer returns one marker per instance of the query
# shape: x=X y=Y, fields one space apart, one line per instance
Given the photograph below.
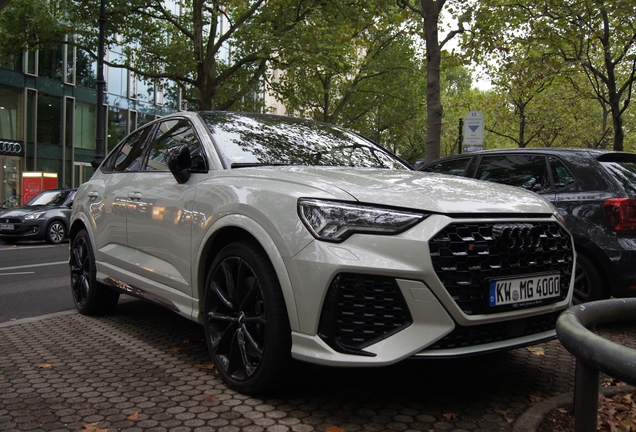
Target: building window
x=31 y=62
x=117 y=125
x=86 y=70
x=85 y=125
x=159 y=93
x=49 y=119
x=51 y=63
x=70 y=62
x=11 y=112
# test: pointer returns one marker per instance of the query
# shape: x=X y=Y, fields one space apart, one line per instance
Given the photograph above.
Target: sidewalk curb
x=36 y=318
x=532 y=418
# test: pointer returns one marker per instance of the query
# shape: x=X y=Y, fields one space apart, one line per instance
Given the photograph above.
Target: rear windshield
x=244 y=141
x=624 y=173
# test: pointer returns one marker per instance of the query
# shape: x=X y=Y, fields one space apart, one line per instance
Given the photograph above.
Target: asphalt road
x=34 y=280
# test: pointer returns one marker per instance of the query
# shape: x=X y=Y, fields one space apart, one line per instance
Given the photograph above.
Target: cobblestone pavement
x=147 y=369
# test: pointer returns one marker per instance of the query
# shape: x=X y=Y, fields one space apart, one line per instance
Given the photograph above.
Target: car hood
x=23 y=211
x=413 y=189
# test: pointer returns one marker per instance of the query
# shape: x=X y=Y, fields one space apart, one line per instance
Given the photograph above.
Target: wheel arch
x=596 y=256
x=235 y=228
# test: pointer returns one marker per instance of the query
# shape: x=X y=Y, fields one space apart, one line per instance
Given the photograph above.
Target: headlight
x=32 y=216
x=335 y=221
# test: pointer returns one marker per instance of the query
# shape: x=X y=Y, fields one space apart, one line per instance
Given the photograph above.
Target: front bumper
x=440 y=319
x=26 y=230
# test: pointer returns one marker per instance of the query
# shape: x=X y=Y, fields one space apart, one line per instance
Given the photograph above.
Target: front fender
x=254 y=229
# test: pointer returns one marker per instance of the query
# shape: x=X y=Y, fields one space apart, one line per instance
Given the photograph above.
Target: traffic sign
x=474 y=128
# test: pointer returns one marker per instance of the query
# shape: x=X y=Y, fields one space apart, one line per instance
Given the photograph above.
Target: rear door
x=109 y=197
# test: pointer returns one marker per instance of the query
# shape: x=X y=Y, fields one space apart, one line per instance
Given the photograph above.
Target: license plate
x=524 y=290
x=7 y=227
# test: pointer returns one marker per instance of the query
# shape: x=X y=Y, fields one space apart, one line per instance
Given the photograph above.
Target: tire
x=246 y=324
x=55 y=232
x=588 y=282
x=90 y=297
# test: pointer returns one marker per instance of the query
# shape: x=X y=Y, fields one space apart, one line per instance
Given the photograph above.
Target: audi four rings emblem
x=516 y=236
x=10 y=147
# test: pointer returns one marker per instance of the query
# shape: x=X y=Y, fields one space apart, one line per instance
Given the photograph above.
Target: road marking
x=14 y=247
x=16 y=273
x=33 y=265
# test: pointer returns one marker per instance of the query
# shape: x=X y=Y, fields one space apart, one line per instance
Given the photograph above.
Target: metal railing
x=595 y=354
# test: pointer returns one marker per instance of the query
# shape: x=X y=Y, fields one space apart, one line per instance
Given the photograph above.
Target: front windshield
x=253 y=140
x=50 y=197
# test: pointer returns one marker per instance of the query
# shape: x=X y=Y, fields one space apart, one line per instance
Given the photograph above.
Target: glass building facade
x=48 y=114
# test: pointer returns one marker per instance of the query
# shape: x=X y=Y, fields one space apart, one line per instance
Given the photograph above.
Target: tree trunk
x=434 y=108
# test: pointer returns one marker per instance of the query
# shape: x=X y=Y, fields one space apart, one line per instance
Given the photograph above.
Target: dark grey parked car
x=594 y=190
x=45 y=217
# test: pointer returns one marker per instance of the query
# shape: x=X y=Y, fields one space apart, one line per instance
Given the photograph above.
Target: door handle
x=92 y=194
x=134 y=195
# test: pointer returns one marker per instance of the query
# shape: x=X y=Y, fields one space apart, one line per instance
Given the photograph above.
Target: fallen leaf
x=205 y=366
x=3 y=379
x=134 y=416
x=450 y=416
x=92 y=427
x=334 y=429
x=44 y=366
x=535 y=398
x=175 y=350
x=502 y=412
x=210 y=398
x=536 y=351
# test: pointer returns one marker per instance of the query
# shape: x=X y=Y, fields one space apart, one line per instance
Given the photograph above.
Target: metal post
x=101 y=83
x=585 y=398
x=460 y=137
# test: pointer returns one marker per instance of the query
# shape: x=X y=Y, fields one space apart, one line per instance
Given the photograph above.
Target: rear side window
x=526 y=171
x=624 y=173
x=560 y=174
x=454 y=167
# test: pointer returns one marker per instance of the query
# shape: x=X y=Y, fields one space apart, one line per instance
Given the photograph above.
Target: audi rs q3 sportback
x=287 y=238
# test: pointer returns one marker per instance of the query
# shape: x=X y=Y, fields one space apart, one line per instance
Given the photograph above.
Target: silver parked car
x=288 y=238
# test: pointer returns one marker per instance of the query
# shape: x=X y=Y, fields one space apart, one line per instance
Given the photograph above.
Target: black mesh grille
x=464 y=255
x=494 y=332
x=360 y=310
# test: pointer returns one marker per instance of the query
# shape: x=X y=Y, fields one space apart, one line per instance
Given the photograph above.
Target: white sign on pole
x=474 y=128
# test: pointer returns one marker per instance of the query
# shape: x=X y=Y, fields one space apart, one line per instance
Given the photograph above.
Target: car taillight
x=621 y=213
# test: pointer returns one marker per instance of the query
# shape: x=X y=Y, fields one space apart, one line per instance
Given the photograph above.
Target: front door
x=159 y=220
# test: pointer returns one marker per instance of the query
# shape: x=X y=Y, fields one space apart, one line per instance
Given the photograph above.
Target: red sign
x=35 y=182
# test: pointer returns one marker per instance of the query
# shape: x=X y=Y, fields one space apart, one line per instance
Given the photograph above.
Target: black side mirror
x=179 y=162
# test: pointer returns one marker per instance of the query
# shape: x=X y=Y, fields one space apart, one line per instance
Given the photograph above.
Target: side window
x=454 y=167
x=130 y=153
x=525 y=171
x=171 y=133
x=560 y=174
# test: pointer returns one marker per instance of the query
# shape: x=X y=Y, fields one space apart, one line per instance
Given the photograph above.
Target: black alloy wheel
x=55 y=232
x=588 y=284
x=246 y=324
x=90 y=297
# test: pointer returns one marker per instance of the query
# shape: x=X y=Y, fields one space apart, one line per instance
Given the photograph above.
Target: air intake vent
x=361 y=310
